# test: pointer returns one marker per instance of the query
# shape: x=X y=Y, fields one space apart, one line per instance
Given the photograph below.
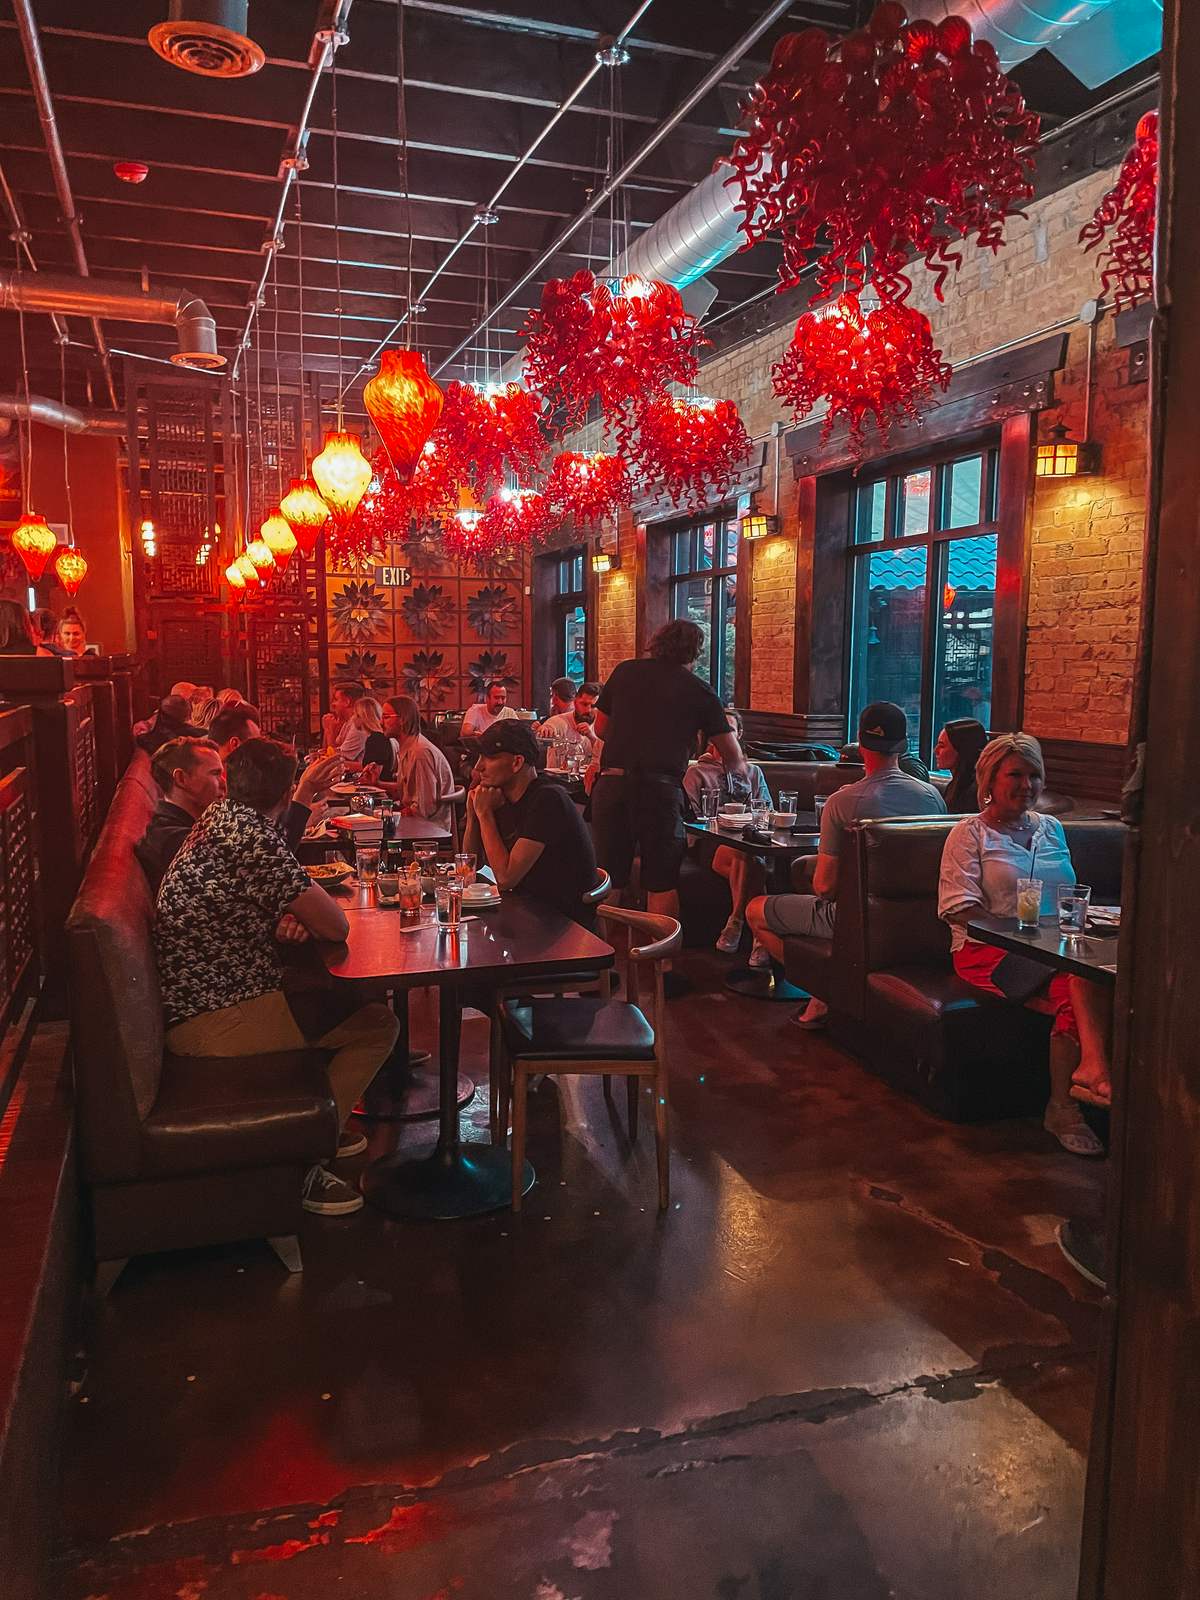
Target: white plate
x=734 y=823
x=354 y=788
x=475 y=901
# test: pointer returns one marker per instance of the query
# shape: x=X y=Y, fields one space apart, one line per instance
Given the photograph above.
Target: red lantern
x=895 y=138
x=306 y=513
x=404 y=403
x=586 y=342
x=71 y=567
x=236 y=579
x=693 y=449
x=258 y=553
x=342 y=474
x=588 y=488
x=1128 y=210
x=34 y=541
x=880 y=363
x=249 y=572
x=275 y=532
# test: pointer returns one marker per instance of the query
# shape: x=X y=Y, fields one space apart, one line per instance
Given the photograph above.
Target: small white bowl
x=783 y=819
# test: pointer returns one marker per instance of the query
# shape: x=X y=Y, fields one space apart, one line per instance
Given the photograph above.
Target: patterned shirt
x=218 y=909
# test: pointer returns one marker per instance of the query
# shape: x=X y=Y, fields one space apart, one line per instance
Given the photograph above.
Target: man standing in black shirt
x=528 y=827
x=650 y=715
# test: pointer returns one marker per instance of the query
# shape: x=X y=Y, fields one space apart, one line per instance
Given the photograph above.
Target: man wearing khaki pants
x=230 y=895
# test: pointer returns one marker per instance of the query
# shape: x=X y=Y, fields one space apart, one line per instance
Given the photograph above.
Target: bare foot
x=1091 y=1086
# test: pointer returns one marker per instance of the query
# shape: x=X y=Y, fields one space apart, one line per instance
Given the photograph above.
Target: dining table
x=776 y=850
x=1085 y=955
x=519 y=938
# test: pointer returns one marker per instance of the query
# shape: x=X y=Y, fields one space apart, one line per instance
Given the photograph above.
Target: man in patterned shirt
x=232 y=891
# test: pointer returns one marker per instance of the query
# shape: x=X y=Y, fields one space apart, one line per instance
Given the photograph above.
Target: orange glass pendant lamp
x=306 y=513
x=258 y=552
x=71 y=567
x=34 y=541
x=248 y=571
x=277 y=535
x=235 y=578
x=342 y=474
x=405 y=405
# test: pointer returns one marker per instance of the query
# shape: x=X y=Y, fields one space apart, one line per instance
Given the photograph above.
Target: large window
x=923 y=554
x=704 y=590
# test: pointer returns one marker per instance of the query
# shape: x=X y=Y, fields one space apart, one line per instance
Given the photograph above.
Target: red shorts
x=976 y=962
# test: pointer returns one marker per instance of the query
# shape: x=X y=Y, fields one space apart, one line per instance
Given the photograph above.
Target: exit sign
x=393 y=577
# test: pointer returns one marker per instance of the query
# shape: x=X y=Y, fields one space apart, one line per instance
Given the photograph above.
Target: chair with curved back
x=456 y=800
x=599 y=1035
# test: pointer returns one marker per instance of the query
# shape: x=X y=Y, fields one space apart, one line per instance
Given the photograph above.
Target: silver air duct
x=194 y=324
x=53 y=414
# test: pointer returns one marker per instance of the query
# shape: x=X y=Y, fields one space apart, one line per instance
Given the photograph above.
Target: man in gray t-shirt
x=884 y=792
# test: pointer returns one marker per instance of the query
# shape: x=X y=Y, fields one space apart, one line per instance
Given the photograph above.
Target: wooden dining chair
x=455 y=798
x=499 y=1098
x=599 y=1036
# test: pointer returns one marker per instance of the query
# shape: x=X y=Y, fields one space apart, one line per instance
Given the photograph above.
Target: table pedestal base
x=409 y=1096
x=755 y=984
x=474 y=1179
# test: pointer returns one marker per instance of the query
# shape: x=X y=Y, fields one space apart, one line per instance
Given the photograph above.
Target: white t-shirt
x=352 y=741
x=478 y=719
x=562 y=726
x=981 y=865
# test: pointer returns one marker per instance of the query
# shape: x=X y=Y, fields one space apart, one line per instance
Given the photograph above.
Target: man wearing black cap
x=526 y=826
x=886 y=791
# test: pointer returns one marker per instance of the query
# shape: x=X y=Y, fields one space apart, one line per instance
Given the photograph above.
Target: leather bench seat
x=218 y=1113
x=920 y=995
x=548 y=1030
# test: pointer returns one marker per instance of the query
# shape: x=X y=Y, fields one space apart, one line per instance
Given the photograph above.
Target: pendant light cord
x=337 y=230
x=62 y=373
x=300 y=317
x=402 y=162
x=278 y=387
x=25 y=427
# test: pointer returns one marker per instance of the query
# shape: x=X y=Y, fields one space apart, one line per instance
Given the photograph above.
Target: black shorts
x=639 y=815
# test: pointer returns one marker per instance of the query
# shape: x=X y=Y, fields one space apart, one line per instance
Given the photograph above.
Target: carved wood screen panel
x=18 y=887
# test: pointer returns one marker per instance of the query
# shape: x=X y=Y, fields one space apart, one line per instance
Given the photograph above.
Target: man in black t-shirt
x=650 y=714
x=527 y=826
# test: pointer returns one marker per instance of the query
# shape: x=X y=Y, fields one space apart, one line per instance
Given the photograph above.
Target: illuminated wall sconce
x=1064 y=457
x=758 y=525
x=605 y=560
x=149 y=535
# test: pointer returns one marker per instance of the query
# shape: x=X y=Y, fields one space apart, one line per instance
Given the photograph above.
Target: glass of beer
x=1029 y=902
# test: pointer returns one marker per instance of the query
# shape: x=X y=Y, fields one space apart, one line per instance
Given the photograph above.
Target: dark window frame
x=724 y=522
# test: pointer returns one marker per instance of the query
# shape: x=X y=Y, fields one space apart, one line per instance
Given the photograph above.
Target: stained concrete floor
x=849 y=1362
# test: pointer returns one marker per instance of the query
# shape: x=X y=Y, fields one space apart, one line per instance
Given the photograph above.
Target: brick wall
x=1085 y=537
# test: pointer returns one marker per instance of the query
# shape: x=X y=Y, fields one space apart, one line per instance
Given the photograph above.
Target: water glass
x=788 y=801
x=1073 y=900
x=1029 y=902
x=464 y=866
x=448 y=900
x=366 y=862
x=709 y=800
x=387 y=887
x=819 y=807
x=760 y=815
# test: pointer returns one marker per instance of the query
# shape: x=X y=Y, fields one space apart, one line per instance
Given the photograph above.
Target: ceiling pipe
x=326 y=42
x=23 y=240
x=709 y=82
x=53 y=414
x=194 y=324
x=36 y=66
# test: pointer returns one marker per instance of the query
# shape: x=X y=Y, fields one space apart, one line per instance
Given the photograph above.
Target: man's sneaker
x=329 y=1196
x=760 y=957
x=350 y=1143
x=730 y=936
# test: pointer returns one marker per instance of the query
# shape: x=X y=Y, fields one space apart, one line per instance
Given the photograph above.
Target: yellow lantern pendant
x=342 y=474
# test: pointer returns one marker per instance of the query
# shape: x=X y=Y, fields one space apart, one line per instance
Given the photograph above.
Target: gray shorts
x=799 y=916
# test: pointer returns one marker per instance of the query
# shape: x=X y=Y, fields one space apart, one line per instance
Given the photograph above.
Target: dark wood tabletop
x=784 y=843
x=411 y=830
x=1085 y=955
x=516 y=938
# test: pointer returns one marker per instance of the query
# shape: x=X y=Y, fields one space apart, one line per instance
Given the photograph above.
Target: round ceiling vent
x=208 y=37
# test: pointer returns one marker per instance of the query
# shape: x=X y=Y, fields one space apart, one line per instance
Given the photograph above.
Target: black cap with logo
x=512 y=736
x=883 y=727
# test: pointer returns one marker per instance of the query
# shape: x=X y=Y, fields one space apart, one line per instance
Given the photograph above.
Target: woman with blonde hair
x=982 y=859
x=378 y=751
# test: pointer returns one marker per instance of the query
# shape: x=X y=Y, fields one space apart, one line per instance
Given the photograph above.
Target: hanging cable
x=62 y=374
x=402 y=154
x=300 y=312
x=24 y=426
x=278 y=388
x=337 y=234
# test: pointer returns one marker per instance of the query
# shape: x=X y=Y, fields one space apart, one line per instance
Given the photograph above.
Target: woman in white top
x=981 y=862
x=423 y=776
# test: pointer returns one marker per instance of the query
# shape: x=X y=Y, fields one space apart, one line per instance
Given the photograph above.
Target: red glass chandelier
x=902 y=136
x=35 y=542
x=587 y=488
x=1127 y=212
x=587 y=342
x=879 y=363
x=71 y=568
x=692 y=449
x=511 y=519
x=404 y=404
x=486 y=432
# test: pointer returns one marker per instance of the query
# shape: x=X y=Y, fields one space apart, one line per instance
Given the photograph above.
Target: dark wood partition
x=18 y=865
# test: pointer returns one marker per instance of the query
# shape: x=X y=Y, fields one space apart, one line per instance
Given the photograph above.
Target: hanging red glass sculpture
x=879 y=363
x=35 y=542
x=901 y=137
x=342 y=474
x=1127 y=212
x=586 y=342
x=511 y=519
x=72 y=568
x=587 y=488
x=405 y=404
x=306 y=513
x=485 y=433
x=691 y=449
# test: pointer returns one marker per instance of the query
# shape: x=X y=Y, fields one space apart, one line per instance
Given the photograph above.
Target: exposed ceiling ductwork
x=208 y=37
x=53 y=414
x=193 y=322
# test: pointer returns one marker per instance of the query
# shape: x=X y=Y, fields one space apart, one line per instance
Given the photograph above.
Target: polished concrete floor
x=849 y=1362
